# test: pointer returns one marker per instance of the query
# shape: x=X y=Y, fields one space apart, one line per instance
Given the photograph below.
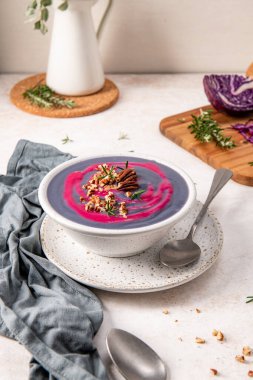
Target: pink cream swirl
x=151 y=202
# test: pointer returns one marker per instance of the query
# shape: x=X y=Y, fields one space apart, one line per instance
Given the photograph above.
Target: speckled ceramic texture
x=136 y=274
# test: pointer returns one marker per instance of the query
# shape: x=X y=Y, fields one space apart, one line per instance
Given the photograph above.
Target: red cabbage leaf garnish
x=230 y=93
x=246 y=130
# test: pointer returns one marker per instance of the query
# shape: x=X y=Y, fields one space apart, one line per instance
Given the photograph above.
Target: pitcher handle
x=103 y=18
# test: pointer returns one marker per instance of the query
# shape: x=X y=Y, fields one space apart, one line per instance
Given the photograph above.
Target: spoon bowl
x=134 y=359
x=178 y=253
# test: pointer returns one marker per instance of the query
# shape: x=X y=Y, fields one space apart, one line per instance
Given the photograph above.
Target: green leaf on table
x=66 y=140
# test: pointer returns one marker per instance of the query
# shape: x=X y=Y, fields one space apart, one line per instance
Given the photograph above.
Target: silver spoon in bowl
x=134 y=359
x=177 y=253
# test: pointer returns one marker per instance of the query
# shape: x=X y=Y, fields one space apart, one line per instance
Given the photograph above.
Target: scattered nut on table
x=215 y=332
x=197 y=310
x=246 y=351
x=200 y=340
x=213 y=371
x=165 y=311
x=250 y=373
x=240 y=358
x=220 y=336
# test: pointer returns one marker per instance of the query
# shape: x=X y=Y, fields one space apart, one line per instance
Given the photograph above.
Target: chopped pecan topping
x=127 y=180
x=126 y=173
x=123 y=209
x=126 y=184
x=99 y=195
x=128 y=188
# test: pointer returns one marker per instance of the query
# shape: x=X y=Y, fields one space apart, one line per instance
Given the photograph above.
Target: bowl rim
x=90 y=230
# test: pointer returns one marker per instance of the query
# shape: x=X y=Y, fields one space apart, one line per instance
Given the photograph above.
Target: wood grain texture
x=237 y=159
x=85 y=105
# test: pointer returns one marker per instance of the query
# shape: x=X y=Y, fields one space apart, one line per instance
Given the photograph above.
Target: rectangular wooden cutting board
x=237 y=159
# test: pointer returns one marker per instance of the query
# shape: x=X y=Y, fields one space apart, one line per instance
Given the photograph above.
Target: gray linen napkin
x=54 y=317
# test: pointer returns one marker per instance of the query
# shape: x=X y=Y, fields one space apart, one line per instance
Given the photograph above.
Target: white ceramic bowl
x=116 y=242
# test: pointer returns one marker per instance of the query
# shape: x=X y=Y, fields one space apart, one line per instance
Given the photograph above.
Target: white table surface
x=220 y=293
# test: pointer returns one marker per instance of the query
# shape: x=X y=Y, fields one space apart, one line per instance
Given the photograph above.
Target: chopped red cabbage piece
x=229 y=93
x=246 y=130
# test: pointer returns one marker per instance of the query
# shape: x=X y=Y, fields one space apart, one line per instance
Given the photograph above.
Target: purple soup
x=156 y=192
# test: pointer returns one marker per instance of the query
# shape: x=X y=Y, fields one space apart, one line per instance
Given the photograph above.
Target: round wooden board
x=85 y=105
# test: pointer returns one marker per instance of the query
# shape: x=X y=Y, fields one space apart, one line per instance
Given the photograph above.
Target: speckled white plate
x=136 y=274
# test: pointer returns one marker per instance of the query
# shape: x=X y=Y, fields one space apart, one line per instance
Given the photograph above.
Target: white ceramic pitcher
x=74 y=65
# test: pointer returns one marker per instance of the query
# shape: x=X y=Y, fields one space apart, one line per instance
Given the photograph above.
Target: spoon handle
x=220 y=179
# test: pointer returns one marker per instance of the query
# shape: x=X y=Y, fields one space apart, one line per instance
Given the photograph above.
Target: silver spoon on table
x=177 y=253
x=134 y=359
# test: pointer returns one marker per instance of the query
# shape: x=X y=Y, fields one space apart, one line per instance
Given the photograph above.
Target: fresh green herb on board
x=42 y=96
x=250 y=163
x=206 y=129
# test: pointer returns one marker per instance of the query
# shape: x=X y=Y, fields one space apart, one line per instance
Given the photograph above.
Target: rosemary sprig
x=137 y=194
x=109 y=209
x=42 y=96
x=206 y=129
x=250 y=299
x=104 y=169
x=108 y=173
x=66 y=140
x=126 y=166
